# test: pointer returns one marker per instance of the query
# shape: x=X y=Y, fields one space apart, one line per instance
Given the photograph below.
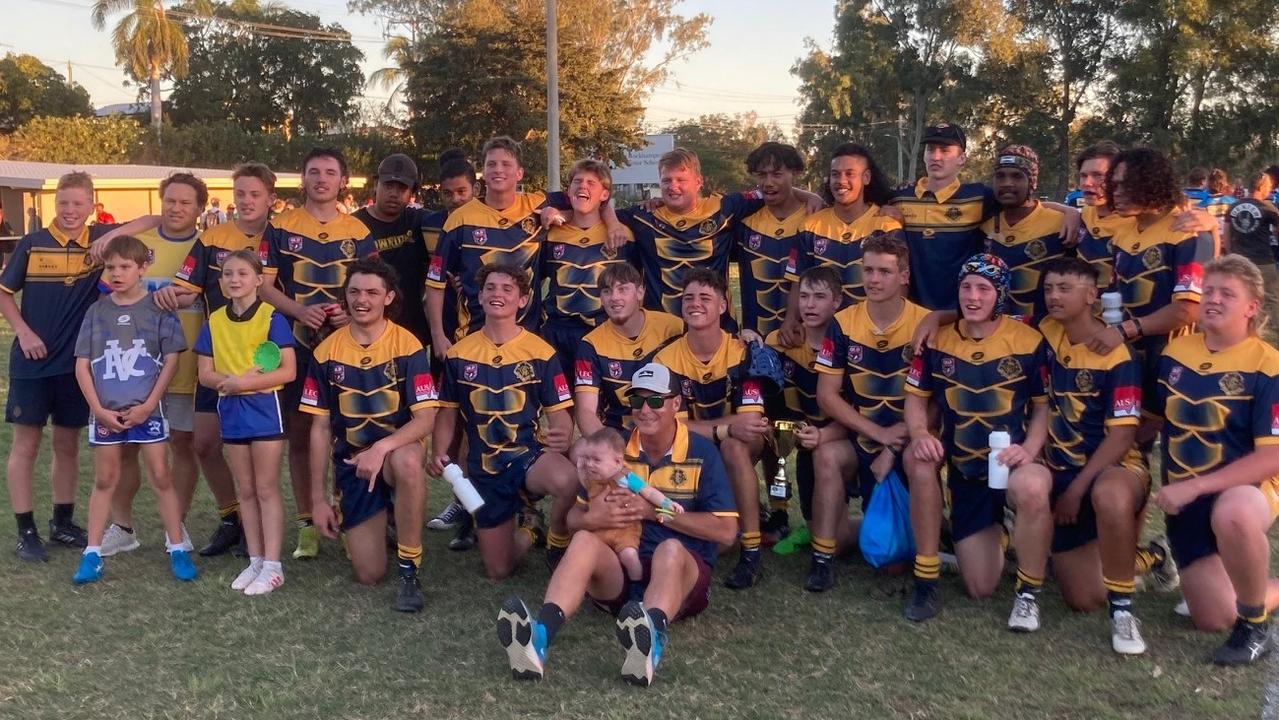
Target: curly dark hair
x=514 y=272
x=878 y=190
x=707 y=277
x=390 y=278
x=1149 y=180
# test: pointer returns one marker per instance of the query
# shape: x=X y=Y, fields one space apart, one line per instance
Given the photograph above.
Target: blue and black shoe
x=643 y=644
x=183 y=568
x=523 y=638
x=90 y=569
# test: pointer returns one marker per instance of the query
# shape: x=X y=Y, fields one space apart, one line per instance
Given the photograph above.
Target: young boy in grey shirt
x=126 y=354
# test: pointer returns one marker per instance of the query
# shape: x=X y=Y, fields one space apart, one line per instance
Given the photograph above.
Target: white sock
x=170 y=546
x=272 y=566
x=255 y=562
x=93 y=549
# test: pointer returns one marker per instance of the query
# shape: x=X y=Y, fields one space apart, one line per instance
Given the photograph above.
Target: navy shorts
x=206 y=399
x=245 y=418
x=1084 y=529
x=564 y=340
x=354 y=501
x=33 y=401
x=973 y=505
x=505 y=493
x=154 y=430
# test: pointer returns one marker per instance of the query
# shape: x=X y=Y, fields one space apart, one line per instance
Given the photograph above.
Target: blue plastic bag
x=886 y=536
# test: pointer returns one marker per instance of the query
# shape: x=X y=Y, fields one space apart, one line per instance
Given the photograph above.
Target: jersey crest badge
x=1174 y=375
x=480 y=236
x=614 y=369
x=337 y=372
x=948 y=366
x=524 y=371
x=1084 y=381
x=295 y=243
x=348 y=248
x=557 y=250
x=707 y=227
x=528 y=225
x=1009 y=368
x=1231 y=383
x=1152 y=258
x=753 y=241
x=819 y=245
x=1035 y=249
x=470 y=371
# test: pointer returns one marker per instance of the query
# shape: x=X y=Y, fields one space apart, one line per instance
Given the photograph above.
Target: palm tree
x=148 y=41
x=399 y=50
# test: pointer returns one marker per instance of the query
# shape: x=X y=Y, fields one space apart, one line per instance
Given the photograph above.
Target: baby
x=600 y=466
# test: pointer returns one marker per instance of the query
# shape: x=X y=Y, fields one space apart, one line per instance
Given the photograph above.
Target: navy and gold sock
x=409 y=556
x=1027 y=583
x=1119 y=594
x=927 y=569
x=550 y=617
x=62 y=513
x=1148 y=557
x=750 y=542
x=1252 y=614
x=823 y=548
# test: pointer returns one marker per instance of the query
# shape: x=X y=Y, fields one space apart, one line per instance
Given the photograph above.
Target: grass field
x=139 y=645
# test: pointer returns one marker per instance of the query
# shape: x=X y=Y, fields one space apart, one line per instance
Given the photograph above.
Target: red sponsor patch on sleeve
x=826 y=356
x=752 y=394
x=1274 y=419
x=310 y=392
x=423 y=387
x=188 y=267
x=1127 y=401
x=1190 y=278
x=583 y=373
x=264 y=251
x=916 y=373
x=561 y=388
x=436 y=271
x=792 y=261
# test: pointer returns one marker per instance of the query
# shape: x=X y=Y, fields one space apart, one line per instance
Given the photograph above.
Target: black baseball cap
x=398 y=168
x=946 y=134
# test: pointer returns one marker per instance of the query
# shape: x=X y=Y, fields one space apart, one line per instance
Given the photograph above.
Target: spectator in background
x=34 y=223
x=5 y=228
x=1219 y=200
x=101 y=216
x=1196 y=189
x=212 y=216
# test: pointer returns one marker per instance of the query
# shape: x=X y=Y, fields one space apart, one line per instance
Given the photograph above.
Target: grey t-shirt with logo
x=125 y=346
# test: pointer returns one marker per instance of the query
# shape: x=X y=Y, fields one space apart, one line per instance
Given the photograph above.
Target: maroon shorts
x=697 y=599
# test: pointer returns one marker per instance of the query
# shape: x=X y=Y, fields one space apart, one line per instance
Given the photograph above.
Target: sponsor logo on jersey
x=1127 y=401
x=423 y=387
x=582 y=373
x=310 y=392
x=561 y=388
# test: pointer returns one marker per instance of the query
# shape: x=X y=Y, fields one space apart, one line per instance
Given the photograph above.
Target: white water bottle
x=1112 y=312
x=997 y=472
x=462 y=488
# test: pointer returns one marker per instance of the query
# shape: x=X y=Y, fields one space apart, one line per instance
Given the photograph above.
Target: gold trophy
x=783 y=441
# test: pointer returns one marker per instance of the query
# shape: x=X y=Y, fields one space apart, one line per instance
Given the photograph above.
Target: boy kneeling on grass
x=126 y=354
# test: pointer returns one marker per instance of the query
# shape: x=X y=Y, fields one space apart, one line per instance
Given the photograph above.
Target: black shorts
x=505 y=493
x=973 y=505
x=1084 y=529
x=206 y=399
x=34 y=401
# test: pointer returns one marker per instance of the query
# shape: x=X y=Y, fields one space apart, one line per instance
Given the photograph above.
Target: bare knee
x=106 y=481
x=1112 y=500
x=980 y=588
x=499 y=569
x=669 y=552
x=1214 y=621
x=367 y=575
x=65 y=442
x=1028 y=490
x=208 y=446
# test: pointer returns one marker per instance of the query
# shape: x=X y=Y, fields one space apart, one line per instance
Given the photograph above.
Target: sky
x=753 y=44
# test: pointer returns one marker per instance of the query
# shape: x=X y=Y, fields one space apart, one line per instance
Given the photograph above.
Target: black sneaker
x=224 y=538
x=68 y=534
x=464 y=538
x=924 y=604
x=1248 y=642
x=821 y=575
x=746 y=573
x=31 y=547
x=409 y=598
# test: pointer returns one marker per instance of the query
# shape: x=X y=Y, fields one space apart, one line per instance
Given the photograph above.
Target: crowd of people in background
x=608 y=396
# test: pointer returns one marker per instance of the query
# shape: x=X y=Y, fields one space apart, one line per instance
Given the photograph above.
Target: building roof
x=44 y=176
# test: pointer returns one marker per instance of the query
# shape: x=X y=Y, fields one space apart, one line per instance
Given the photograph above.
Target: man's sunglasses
x=654 y=402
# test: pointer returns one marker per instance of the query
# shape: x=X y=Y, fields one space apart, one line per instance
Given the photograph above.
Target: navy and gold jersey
x=1088 y=393
x=716 y=388
x=1026 y=248
x=668 y=246
x=1095 y=246
x=431 y=227
x=500 y=392
x=691 y=474
x=367 y=392
x=874 y=363
x=572 y=261
x=943 y=230
x=765 y=247
x=58 y=283
x=606 y=361
x=1218 y=406
x=981 y=385
x=827 y=240
x=1155 y=266
x=201 y=272
x=476 y=235
x=799 y=368
x=310 y=258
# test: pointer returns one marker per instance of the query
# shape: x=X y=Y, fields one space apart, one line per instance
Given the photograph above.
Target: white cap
x=654 y=377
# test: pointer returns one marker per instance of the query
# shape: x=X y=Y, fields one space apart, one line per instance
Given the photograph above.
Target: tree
x=301 y=77
x=148 y=41
x=722 y=144
x=29 y=88
x=78 y=140
x=479 y=69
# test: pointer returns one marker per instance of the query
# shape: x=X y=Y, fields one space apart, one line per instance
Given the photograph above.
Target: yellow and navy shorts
x=254 y=416
x=1190 y=531
x=505 y=493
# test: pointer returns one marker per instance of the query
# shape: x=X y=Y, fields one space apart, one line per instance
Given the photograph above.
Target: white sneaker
x=1182 y=609
x=1025 y=614
x=117 y=540
x=1125 y=634
x=246 y=577
x=265 y=582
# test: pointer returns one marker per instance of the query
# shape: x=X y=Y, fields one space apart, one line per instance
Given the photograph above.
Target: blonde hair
x=594 y=167
x=1249 y=275
x=680 y=158
x=77 y=179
